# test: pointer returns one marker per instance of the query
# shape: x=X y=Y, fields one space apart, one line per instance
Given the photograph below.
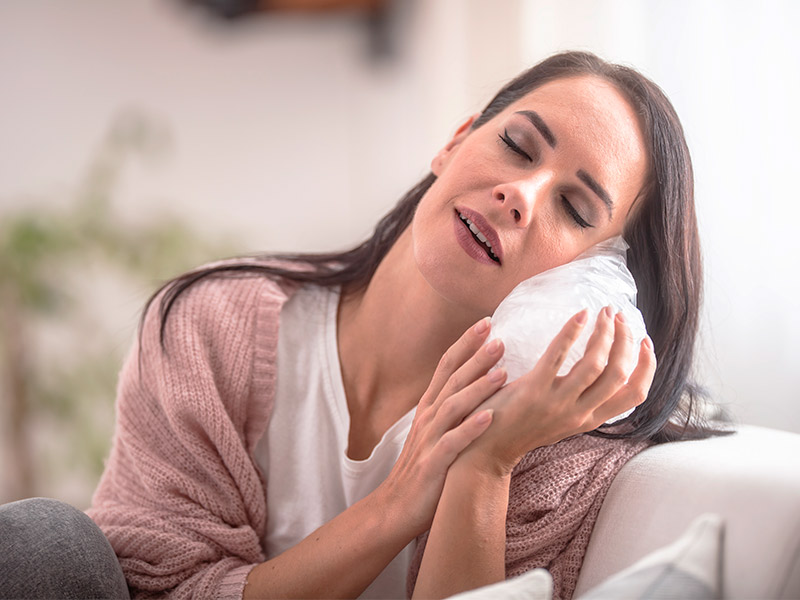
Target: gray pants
x=49 y=549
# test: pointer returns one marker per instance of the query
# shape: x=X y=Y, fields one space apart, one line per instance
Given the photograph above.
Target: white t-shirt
x=303 y=453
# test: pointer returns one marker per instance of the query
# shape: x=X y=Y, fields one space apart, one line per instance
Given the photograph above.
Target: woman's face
x=550 y=176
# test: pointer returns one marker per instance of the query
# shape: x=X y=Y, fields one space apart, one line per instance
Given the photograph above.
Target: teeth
x=477 y=233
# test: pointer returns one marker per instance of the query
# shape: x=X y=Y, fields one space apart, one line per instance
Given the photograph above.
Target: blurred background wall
x=296 y=131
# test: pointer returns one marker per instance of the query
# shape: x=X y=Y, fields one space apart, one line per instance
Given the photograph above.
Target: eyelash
x=579 y=221
x=513 y=147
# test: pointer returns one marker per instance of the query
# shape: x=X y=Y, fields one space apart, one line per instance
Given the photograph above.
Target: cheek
x=428 y=243
x=471 y=169
x=428 y=251
x=546 y=247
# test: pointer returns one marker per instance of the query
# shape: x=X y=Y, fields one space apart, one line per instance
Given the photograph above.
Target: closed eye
x=579 y=221
x=512 y=145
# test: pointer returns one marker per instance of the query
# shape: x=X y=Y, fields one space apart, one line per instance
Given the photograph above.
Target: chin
x=446 y=269
x=462 y=295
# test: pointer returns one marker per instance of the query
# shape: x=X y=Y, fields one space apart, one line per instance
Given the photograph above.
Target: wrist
x=396 y=513
x=466 y=546
x=478 y=470
x=486 y=464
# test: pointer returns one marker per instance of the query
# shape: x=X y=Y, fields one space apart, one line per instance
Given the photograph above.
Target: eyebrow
x=597 y=189
x=548 y=136
x=539 y=123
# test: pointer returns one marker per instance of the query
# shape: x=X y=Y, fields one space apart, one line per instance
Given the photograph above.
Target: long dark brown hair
x=664 y=255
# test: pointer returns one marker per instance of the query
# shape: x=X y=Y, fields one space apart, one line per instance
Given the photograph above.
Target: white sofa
x=702 y=520
x=751 y=479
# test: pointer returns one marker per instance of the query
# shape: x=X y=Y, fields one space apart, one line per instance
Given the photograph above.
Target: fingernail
x=582 y=316
x=482 y=325
x=620 y=317
x=609 y=312
x=496 y=375
x=493 y=347
x=484 y=416
x=648 y=343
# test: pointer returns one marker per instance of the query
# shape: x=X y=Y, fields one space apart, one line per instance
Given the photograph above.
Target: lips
x=478 y=237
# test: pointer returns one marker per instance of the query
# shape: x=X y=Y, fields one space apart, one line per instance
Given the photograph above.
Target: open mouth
x=479 y=237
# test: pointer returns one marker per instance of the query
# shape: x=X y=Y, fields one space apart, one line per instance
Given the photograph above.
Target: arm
x=338 y=560
x=466 y=545
x=348 y=552
x=181 y=500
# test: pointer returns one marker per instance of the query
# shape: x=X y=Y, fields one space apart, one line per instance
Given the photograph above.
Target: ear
x=444 y=155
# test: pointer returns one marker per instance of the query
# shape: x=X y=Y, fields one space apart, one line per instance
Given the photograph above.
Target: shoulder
x=556 y=494
x=214 y=351
x=229 y=284
x=578 y=456
x=222 y=326
x=576 y=471
x=215 y=301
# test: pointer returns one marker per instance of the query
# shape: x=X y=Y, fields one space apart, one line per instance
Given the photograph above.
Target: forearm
x=338 y=560
x=466 y=545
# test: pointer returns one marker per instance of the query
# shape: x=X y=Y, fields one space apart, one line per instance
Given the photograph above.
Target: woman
x=290 y=426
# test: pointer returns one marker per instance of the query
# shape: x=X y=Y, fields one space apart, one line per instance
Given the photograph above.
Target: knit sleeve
x=555 y=496
x=181 y=500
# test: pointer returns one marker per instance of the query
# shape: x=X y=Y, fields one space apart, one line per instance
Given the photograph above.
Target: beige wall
x=285 y=132
x=283 y=129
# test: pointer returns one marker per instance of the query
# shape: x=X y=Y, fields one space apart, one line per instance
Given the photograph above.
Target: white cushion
x=689 y=568
x=533 y=585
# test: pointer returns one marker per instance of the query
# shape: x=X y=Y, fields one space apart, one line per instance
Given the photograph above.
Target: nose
x=520 y=197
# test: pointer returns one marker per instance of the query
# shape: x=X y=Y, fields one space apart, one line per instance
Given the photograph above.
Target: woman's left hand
x=541 y=407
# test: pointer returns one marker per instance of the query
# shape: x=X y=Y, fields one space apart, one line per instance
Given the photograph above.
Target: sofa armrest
x=750 y=478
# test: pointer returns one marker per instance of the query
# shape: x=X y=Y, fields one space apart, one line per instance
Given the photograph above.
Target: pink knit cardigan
x=184 y=504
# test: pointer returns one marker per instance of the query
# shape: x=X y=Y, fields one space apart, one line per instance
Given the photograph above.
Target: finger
x=633 y=393
x=455 y=356
x=453 y=409
x=476 y=366
x=557 y=350
x=591 y=365
x=455 y=441
x=617 y=370
x=623 y=347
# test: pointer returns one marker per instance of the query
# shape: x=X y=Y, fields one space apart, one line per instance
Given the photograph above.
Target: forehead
x=594 y=125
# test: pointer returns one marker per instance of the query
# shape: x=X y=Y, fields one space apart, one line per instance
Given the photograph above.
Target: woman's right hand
x=441 y=429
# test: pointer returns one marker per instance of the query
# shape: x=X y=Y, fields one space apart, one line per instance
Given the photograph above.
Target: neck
x=393 y=334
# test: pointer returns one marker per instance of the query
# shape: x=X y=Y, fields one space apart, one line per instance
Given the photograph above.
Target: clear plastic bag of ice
x=535 y=311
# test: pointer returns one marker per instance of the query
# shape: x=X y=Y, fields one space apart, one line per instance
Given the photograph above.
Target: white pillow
x=533 y=585
x=690 y=568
